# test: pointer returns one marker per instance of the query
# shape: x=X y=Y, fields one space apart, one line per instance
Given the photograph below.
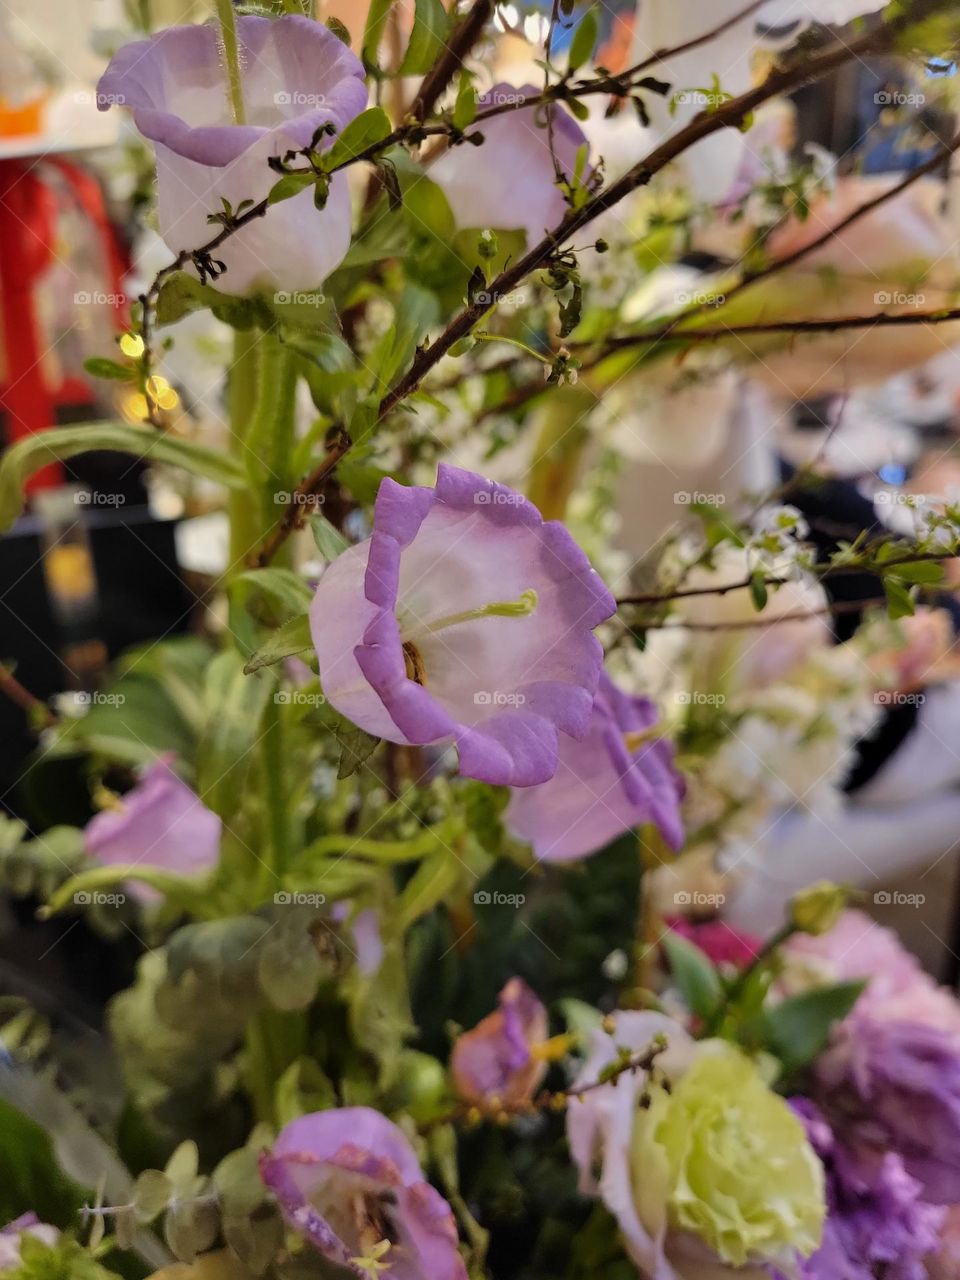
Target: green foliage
x=431 y=26
x=797 y=1029
x=694 y=974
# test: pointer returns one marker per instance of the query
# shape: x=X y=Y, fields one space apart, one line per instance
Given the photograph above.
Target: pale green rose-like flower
x=724 y=1158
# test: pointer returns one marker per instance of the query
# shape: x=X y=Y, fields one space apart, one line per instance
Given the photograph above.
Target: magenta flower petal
x=297 y=77
x=495 y=1059
x=499 y=687
x=160 y=823
x=510 y=181
x=603 y=785
x=348 y=1179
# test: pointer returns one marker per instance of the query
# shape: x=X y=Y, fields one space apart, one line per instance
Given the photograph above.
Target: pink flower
x=495 y=1059
x=717 y=940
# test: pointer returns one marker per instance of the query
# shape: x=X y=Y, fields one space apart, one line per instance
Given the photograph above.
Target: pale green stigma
x=521 y=608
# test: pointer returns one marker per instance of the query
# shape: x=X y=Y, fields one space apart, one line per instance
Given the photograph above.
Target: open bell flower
x=161 y=823
x=615 y=778
x=510 y=182
x=296 y=77
x=464 y=618
x=349 y=1182
x=497 y=1059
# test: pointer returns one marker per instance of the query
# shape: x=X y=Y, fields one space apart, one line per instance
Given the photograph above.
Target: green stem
x=275 y=796
x=231 y=57
x=269 y=441
x=739 y=984
x=241 y=507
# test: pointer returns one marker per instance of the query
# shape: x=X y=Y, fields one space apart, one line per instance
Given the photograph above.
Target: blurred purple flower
x=510 y=182
x=367 y=940
x=158 y=823
x=348 y=1180
x=464 y=618
x=877 y=1223
x=895 y=1085
x=297 y=76
x=604 y=785
x=27 y=1224
x=494 y=1060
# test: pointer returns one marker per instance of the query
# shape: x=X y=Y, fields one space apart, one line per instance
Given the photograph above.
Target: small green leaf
x=584 y=40
x=369 y=128
x=431 y=882
x=151 y=1194
x=293 y=637
x=339 y=30
x=798 y=1028
x=900 y=603
x=465 y=108
x=758 y=590
x=100 y=367
x=282 y=587
x=182 y=1168
x=238 y=1182
x=693 y=973
x=373 y=32
x=291 y=184
x=330 y=541
x=356 y=747
x=431 y=26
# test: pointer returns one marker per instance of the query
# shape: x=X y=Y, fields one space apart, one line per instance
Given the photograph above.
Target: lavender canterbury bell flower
x=349 y=1181
x=159 y=823
x=495 y=1060
x=613 y=779
x=510 y=183
x=464 y=618
x=297 y=76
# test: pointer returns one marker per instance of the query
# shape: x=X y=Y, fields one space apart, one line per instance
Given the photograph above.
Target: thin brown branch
x=463 y=38
x=37 y=711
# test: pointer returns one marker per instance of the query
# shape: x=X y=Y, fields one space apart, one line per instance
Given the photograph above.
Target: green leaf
x=431 y=26
x=758 y=590
x=373 y=32
x=356 y=747
x=186 y=891
x=100 y=367
x=292 y=638
x=59 y=443
x=465 y=108
x=693 y=973
x=238 y=1182
x=431 y=882
x=235 y=705
x=584 y=40
x=798 y=1028
x=330 y=541
x=900 y=603
x=924 y=571
x=369 y=128
x=30 y=1174
x=182 y=294
x=291 y=184
x=415 y=312
x=282 y=587
x=151 y=1194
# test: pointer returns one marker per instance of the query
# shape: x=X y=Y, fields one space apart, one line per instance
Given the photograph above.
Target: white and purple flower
x=161 y=823
x=297 y=77
x=348 y=1180
x=510 y=183
x=615 y=778
x=464 y=618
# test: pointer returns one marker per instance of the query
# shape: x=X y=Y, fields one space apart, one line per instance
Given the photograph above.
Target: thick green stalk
x=269 y=440
x=276 y=800
x=242 y=507
x=231 y=57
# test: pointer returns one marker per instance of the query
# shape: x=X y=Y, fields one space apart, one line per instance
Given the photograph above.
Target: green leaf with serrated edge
x=330 y=541
x=693 y=973
x=356 y=747
x=797 y=1028
x=431 y=26
x=369 y=128
x=57 y=444
x=292 y=638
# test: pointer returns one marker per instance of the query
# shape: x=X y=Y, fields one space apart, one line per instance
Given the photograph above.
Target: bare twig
x=463 y=38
